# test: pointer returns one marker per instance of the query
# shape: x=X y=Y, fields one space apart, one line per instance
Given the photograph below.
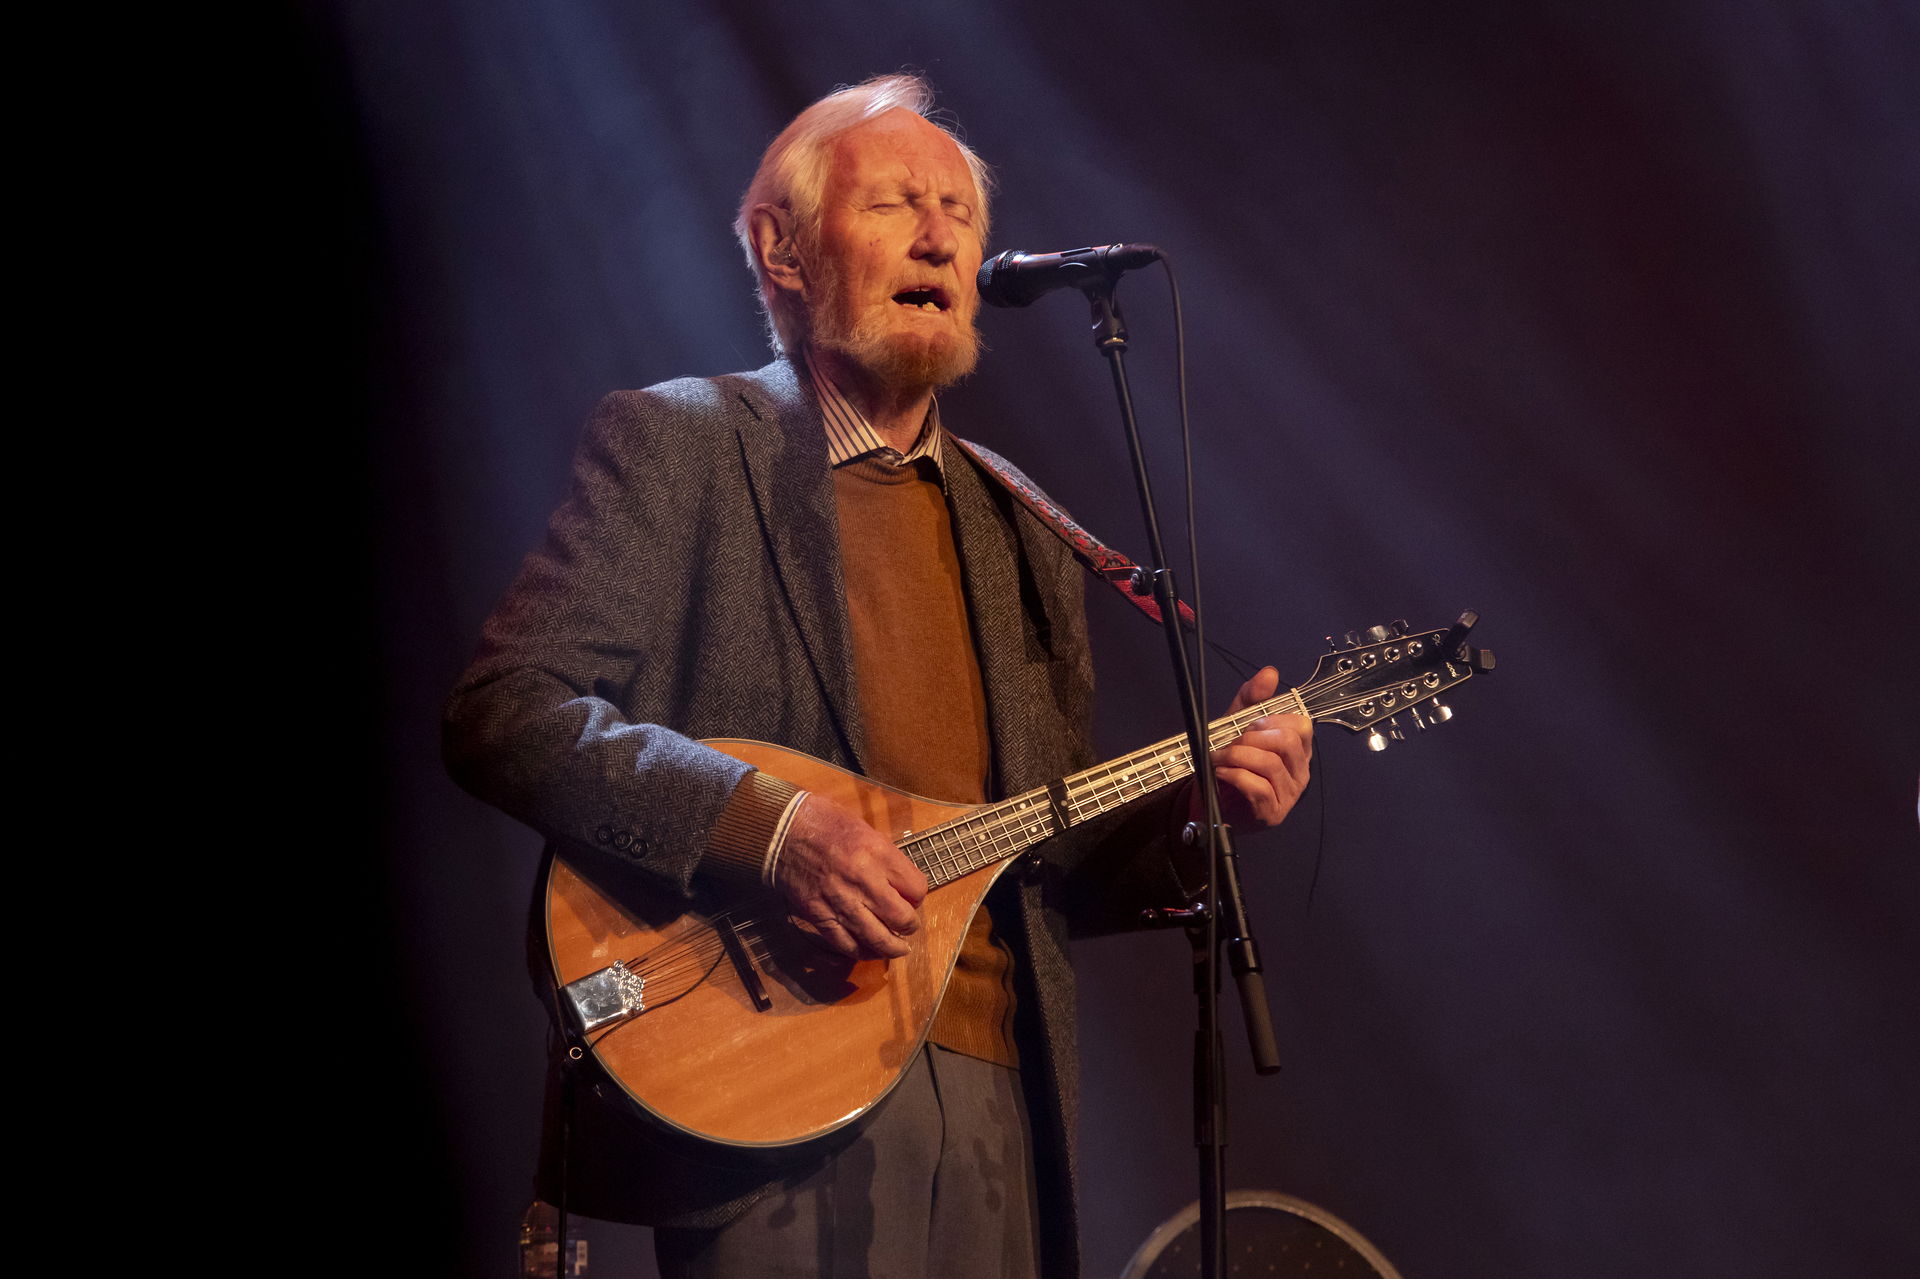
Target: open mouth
x=929 y=299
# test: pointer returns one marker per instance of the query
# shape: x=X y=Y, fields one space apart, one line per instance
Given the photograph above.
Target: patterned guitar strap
x=1100 y=559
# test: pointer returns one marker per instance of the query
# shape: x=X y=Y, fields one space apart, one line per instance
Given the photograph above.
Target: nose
x=937 y=242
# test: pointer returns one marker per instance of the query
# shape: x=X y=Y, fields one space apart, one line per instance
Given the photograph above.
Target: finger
x=1271 y=764
x=1300 y=726
x=875 y=938
x=860 y=914
x=1293 y=750
x=1261 y=781
x=1265 y=682
x=1268 y=782
x=890 y=886
x=833 y=935
x=905 y=878
x=1245 y=798
x=893 y=911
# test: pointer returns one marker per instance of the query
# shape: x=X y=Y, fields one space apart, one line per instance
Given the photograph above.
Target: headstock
x=1367 y=682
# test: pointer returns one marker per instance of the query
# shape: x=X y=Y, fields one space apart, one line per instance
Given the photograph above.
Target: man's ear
x=771 y=228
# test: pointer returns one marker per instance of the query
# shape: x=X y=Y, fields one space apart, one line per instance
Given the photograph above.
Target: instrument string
x=695 y=948
x=693 y=953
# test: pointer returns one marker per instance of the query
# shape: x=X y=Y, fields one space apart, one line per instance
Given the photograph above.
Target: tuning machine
x=1377 y=740
x=1455 y=645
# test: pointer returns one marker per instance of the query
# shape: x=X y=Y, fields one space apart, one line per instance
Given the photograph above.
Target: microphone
x=1014 y=278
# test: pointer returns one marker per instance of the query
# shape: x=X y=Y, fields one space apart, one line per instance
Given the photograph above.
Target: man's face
x=891 y=271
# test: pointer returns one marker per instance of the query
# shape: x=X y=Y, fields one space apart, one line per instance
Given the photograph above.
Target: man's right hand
x=850 y=884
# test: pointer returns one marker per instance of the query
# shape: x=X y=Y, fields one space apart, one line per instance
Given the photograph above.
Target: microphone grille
x=983 y=281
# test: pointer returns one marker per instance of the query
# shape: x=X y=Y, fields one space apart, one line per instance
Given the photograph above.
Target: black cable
x=1240 y=665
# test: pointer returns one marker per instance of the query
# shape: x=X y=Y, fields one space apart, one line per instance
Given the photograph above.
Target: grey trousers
x=938 y=1186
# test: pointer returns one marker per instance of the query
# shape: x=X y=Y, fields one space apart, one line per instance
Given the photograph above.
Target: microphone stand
x=1222 y=909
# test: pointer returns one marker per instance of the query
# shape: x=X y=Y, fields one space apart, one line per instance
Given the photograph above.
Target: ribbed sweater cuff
x=741 y=844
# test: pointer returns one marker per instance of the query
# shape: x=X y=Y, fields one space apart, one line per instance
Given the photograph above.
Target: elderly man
x=803 y=555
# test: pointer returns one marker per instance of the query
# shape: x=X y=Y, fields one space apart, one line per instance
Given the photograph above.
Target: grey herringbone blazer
x=689 y=587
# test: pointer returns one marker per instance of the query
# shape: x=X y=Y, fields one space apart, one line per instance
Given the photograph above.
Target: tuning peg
x=1454 y=644
x=1439 y=712
x=1377 y=633
x=1418 y=723
x=1353 y=639
x=1480 y=659
x=1393 y=730
x=1399 y=627
x=1375 y=741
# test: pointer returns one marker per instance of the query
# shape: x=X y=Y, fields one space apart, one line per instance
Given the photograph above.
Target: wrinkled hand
x=848 y=883
x=1261 y=772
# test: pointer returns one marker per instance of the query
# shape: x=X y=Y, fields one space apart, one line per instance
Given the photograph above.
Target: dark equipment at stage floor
x=1268 y=1234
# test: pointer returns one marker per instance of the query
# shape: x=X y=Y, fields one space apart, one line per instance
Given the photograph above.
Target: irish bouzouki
x=727 y=1024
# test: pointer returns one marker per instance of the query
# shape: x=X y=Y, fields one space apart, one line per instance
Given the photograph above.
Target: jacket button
x=623 y=840
x=604 y=834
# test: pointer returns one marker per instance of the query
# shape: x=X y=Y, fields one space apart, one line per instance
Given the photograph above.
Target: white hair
x=793 y=174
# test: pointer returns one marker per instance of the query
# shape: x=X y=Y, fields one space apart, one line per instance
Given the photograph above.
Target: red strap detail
x=1101 y=560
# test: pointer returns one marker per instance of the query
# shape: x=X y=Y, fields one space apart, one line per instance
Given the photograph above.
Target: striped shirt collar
x=851 y=437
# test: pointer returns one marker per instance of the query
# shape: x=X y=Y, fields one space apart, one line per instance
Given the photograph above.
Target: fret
x=931 y=851
x=1107 y=786
x=981 y=838
x=950 y=853
x=986 y=850
x=994 y=834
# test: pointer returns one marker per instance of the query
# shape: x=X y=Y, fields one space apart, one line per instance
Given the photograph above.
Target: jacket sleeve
x=558 y=720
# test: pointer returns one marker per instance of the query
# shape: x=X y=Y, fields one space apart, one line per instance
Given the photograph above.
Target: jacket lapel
x=784 y=448
x=1006 y=621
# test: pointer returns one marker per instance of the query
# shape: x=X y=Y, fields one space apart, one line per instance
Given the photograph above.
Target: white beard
x=904 y=361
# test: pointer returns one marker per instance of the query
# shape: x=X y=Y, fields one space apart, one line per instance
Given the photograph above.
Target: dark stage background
x=1601 y=319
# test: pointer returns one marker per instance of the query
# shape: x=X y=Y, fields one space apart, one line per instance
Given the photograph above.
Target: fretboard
x=999 y=831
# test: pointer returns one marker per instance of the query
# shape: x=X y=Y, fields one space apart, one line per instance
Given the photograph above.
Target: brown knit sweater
x=923 y=708
x=921 y=699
